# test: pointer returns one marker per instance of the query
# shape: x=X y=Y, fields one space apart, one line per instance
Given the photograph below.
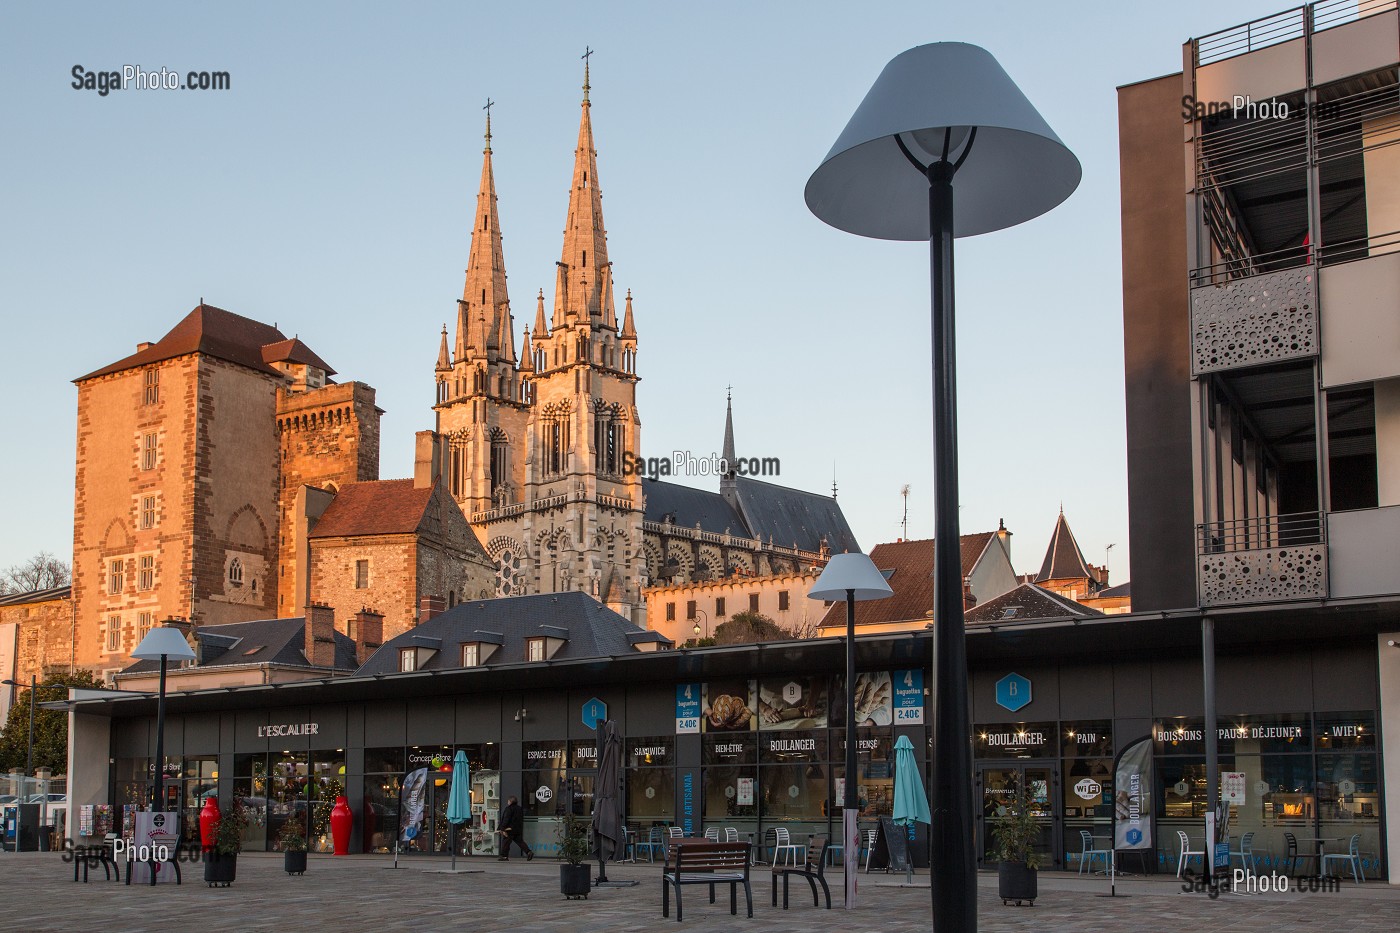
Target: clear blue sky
x=331 y=190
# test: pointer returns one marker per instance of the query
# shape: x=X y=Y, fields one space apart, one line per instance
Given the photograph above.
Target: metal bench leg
x=775 y=889
x=748 y=897
x=826 y=891
x=733 y=898
x=665 y=898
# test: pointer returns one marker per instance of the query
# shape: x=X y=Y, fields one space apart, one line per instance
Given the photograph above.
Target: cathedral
x=223 y=474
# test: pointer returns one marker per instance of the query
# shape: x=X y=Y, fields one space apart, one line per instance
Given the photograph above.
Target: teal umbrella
x=459 y=798
x=910 y=799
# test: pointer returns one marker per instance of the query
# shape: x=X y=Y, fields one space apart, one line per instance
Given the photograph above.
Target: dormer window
x=471 y=654
x=534 y=649
x=408 y=659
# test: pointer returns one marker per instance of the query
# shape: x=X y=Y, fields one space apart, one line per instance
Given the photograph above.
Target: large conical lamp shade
x=1017 y=168
x=163 y=642
x=850 y=572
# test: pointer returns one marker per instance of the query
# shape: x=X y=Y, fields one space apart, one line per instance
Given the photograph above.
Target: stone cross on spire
x=587 y=54
x=489 y=104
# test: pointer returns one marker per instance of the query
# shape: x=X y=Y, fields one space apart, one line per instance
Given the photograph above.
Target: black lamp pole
x=156 y=796
x=849 y=805
x=953 y=861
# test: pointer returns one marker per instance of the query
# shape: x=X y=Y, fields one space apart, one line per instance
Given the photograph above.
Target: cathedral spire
x=484 y=293
x=584 y=260
x=541 y=330
x=728 y=484
x=444 y=362
x=629 y=327
x=527 y=354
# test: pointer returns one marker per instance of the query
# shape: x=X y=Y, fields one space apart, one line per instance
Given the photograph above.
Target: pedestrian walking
x=512 y=830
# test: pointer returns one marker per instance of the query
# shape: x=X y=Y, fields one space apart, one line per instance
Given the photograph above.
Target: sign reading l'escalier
x=594 y=712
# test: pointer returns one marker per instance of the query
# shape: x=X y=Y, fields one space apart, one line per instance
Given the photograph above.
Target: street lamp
x=33 y=686
x=942 y=119
x=850 y=577
x=701 y=614
x=161 y=643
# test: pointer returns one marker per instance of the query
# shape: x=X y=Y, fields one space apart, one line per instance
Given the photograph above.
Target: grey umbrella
x=609 y=833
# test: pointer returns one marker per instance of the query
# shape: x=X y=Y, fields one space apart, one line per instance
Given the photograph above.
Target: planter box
x=219 y=870
x=1016 y=882
x=294 y=863
x=575 y=880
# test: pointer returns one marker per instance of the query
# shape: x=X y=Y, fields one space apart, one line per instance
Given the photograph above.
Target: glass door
x=999 y=786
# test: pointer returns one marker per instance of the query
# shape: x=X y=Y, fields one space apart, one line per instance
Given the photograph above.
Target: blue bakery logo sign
x=1134 y=836
x=594 y=712
x=1013 y=692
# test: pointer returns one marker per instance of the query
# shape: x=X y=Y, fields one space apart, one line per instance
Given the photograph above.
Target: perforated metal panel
x=1261 y=319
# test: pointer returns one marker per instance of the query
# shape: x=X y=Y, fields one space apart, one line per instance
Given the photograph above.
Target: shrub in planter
x=1014 y=837
x=221 y=862
x=575 y=878
x=292 y=841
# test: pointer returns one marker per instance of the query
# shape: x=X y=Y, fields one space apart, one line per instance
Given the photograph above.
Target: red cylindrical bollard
x=209 y=821
x=341 y=820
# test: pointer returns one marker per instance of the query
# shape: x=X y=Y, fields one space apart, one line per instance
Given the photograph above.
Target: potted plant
x=221 y=862
x=1014 y=837
x=575 y=878
x=292 y=840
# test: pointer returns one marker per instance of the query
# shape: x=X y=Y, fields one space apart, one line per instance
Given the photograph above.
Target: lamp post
x=33 y=687
x=161 y=643
x=850 y=577
x=944 y=119
x=700 y=613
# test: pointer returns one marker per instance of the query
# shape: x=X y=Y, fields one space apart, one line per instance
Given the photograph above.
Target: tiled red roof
x=217 y=333
x=378 y=507
x=294 y=351
x=911 y=580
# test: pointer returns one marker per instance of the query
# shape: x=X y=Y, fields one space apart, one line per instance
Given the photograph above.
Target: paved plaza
x=360 y=893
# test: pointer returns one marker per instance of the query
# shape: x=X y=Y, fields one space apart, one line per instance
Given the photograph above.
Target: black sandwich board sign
x=892 y=848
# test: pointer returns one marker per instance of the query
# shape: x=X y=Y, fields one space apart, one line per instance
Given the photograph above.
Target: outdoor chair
x=813 y=869
x=869 y=847
x=103 y=855
x=1186 y=852
x=1248 y=861
x=675 y=831
x=1352 y=857
x=712 y=834
x=652 y=844
x=1088 y=851
x=1293 y=856
x=731 y=834
x=783 y=843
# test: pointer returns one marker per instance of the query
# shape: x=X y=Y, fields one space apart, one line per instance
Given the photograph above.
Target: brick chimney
x=968 y=599
x=320 y=635
x=427 y=459
x=429 y=606
x=367 y=628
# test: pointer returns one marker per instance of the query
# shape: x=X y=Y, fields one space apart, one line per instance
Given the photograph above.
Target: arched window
x=235 y=572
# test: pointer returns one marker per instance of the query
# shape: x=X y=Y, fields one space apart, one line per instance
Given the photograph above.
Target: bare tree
x=41 y=572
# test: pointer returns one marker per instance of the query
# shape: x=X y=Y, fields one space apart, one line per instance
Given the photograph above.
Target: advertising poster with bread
x=874 y=700
x=730 y=706
x=792 y=703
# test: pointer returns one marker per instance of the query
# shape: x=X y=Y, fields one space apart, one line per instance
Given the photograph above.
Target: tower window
x=361 y=574
x=148 y=511
x=114 y=633
x=719 y=607
x=148 y=452
x=782 y=600
x=690 y=610
x=753 y=602
x=146 y=580
x=116 y=576
x=670 y=612
x=152 y=388
x=235 y=572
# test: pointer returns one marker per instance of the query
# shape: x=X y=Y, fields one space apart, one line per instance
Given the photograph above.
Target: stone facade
x=674 y=611
x=36 y=636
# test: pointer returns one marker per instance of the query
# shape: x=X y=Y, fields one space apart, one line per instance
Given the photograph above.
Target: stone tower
x=536 y=446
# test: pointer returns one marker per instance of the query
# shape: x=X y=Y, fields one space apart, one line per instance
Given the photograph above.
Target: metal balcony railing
x=1283 y=27
x=1259 y=560
x=1253 y=321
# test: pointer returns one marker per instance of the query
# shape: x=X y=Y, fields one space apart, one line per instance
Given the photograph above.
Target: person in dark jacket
x=513 y=830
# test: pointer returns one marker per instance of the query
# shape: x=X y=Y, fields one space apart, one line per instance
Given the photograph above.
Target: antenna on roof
x=833 y=479
x=904 y=523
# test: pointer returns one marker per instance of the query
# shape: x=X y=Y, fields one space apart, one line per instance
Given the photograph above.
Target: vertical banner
x=687 y=709
x=1132 y=796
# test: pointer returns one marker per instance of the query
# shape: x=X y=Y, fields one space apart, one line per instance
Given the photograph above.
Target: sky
x=331 y=189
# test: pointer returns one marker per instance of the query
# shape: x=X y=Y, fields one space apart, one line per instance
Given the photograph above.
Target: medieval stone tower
x=534 y=445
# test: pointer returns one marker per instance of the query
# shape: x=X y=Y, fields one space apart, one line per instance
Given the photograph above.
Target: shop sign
x=1013 y=692
x=687 y=709
x=594 y=712
x=908 y=698
x=283 y=730
x=1232 y=787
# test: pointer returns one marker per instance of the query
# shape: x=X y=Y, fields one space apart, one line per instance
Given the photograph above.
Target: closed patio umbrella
x=910 y=799
x=459 y=798
x=609 y=834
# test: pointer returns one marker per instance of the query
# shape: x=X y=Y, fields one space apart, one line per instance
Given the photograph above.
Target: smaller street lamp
x=701 y=617
x=161 y=643
x=850 y=577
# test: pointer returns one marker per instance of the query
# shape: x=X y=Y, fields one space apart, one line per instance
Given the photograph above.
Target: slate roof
x=688 y=506
x=1123 y=589
x=294 y=351
x=789 y=517
x=792 y=517
x=1028 y=601
x=1063 y=559
x=593 y=630
x=36 y=596
x=376 y=507
x=266 y=641
x=217 y=333
x=908 y=568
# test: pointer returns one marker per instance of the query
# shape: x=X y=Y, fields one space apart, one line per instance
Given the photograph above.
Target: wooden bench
x=709 y=863
x=814 y=870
